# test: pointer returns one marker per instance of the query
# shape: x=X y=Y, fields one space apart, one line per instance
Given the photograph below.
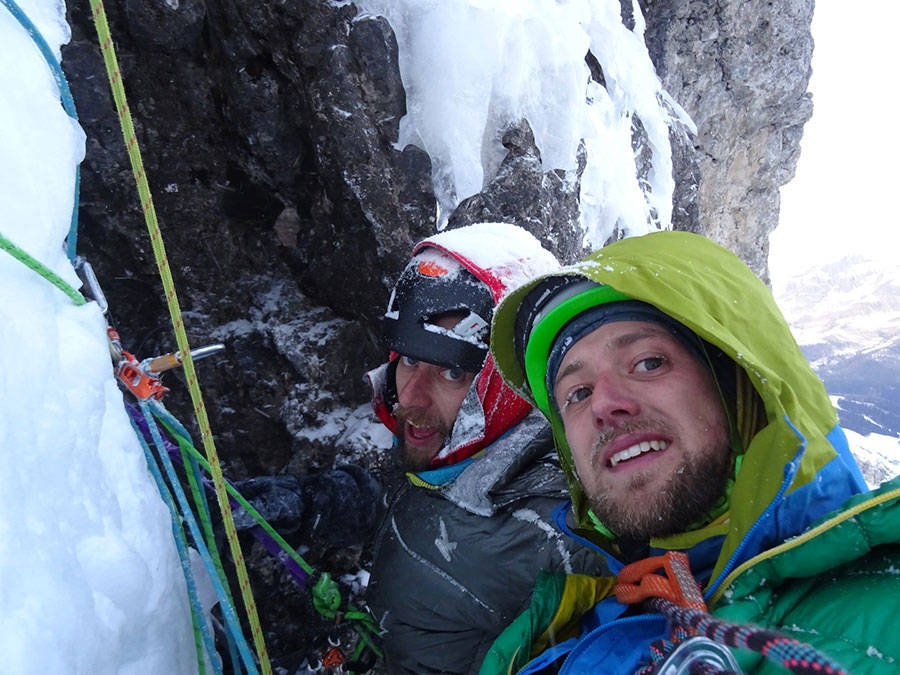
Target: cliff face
x=741 y=70
x=267 y=130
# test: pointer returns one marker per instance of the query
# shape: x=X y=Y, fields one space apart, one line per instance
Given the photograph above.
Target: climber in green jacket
x=694 y=435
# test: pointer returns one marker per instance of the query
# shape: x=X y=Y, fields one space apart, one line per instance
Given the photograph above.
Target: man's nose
x=612 y=401
x=416 y=391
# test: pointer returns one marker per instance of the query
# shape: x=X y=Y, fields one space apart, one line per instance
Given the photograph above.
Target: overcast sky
x=841 y=200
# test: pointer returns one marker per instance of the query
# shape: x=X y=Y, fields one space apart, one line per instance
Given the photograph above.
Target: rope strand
x=134 y=155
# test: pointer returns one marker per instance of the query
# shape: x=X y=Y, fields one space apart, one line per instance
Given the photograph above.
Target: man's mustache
x=606 y=436
x=419 y=418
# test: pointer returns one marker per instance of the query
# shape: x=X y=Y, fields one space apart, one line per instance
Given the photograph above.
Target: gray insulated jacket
x=454 y=565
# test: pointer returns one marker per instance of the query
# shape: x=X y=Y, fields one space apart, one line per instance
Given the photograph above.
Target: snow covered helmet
x=466 y=270
x=433 y=285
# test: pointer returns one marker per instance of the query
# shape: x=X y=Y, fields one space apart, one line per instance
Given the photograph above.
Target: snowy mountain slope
x=877 y=455
x=845 y=309
x=846 y=318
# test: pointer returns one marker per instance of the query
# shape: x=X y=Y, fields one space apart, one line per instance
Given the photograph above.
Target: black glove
x=342 y=506
x=277 y=498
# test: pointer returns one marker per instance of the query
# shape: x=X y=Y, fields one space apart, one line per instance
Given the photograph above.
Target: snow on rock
x=504 y=61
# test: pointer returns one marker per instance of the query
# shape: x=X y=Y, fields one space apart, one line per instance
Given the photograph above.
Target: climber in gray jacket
x=471 y=522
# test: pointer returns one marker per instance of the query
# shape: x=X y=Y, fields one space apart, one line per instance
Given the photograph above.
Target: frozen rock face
x=267 y=130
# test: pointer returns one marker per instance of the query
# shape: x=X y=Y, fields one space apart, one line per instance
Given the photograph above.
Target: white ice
x=90 y=580
x=502 y=60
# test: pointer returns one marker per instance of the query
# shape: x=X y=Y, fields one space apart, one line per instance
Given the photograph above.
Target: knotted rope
x=677 y=596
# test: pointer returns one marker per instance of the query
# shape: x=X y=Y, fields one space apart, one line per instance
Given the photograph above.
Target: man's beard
x=411 y=459
x=691 y=492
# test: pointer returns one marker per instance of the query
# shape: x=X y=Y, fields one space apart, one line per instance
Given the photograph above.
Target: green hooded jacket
x=796 y=469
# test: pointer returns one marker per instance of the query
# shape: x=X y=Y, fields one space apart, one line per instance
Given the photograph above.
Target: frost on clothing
x=453 y=566
x=797 y=474
x=457 y=553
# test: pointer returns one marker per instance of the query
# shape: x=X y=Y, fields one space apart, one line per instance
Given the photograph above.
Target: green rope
x=326 y=596
x=186 y=445
x=42 y=269
x=325 y=592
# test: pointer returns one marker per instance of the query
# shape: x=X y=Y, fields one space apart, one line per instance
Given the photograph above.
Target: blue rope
x=68 y=104
x=228 y=613
x=183 y=556
x=159 y=409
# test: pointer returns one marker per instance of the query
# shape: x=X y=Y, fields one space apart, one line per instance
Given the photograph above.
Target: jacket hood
x=502 y=256
x=798 y=452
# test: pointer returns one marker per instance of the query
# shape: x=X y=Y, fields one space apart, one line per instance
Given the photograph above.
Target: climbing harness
x=699 y=640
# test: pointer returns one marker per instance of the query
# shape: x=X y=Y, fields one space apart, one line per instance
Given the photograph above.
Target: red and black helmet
x=466 y=271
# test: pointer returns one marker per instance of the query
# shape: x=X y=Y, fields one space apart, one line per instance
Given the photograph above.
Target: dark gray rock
x=268 y=134
x=545 y=204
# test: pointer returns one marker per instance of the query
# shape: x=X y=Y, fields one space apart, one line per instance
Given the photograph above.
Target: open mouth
x=419 y=433
x=636 y=450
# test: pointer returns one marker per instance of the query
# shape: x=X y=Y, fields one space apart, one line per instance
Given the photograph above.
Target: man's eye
x=409 y=361
x=577 y=396
x=453 y=374
x=650 y=363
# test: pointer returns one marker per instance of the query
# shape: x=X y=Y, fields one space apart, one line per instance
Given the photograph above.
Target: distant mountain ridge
x=846 y=318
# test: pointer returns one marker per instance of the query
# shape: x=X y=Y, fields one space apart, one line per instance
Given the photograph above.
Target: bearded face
x=646 y=426
x=692 y=490
x=420 y=437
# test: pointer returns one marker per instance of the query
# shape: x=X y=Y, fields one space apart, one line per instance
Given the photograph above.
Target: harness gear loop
x=639 y=581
